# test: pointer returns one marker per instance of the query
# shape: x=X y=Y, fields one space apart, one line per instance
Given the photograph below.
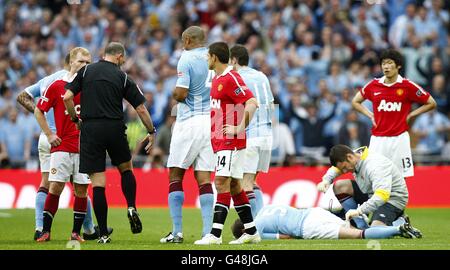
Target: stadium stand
x=313 y=51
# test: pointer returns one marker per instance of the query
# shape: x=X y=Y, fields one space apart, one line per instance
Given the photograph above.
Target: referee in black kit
x=103 y=86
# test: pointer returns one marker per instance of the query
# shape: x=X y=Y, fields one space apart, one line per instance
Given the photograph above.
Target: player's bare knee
x=56 y=188
x=349 y=233
x=343 y=187
x=126 y=166
x=80 y=190
x=202 y=177
x=235 y=186
x=377 y=223
x=176 y=174
x=222 y=184
x=98 y=179
x=44 y=180
x=248 y=181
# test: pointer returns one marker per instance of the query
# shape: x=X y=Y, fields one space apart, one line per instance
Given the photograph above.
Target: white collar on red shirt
x=226 y=71
x=68 y=78
x=399 y=80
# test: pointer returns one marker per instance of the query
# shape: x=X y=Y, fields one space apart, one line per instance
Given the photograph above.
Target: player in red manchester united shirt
x=232 y=107
x=392 y=97
x=64 y=158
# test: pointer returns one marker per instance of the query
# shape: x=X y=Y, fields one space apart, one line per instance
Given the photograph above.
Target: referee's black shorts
x=99 y=136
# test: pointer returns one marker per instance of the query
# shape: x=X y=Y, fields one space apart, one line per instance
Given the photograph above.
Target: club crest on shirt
x=220 y=87
x=400 y=92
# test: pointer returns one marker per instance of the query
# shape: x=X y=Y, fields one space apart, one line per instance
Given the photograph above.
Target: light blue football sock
x=88 y=223
x=39 y=208
x=207 y=208
x=350 y=203
x=176 y=199
x=381 y=232
x=399 y=221
x=253 y=206
x=259 y=200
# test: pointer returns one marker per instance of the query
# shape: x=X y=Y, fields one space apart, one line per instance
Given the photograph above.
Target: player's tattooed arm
x=26 y=101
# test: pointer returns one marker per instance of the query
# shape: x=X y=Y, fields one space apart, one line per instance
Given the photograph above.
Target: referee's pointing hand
x=151 y=139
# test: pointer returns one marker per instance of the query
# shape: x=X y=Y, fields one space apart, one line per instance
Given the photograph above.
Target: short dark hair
x=395 y=55
x=338 y=153
x=240 y=53
x=220 y=49
x=237 y=228
x=114 y=48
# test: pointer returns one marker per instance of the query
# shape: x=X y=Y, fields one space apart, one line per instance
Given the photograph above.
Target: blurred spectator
x=27 y=119
x=433 y=66
x=283 y=149
x=431 y=129
x=440 y=94
x=340 y=52
x=15 y=139
x=7 y=101
x=337 y=80
x=397 y=33
x=353 y=132
x=314 y=145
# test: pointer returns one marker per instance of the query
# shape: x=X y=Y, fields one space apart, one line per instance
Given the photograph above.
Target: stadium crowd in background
x=316 y=54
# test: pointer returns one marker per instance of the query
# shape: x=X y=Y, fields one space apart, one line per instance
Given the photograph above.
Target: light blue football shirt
x=257 y=82
x=280 y=219
x=37 y=90
x=193 y=74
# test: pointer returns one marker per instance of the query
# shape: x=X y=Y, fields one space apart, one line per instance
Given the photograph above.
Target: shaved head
x=194 y=33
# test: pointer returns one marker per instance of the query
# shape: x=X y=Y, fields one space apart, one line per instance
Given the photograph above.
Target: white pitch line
x=5 y=215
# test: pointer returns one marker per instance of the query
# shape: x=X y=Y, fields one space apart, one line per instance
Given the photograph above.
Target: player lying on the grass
x=379 y=186
x=64 y=158
x=286 y=222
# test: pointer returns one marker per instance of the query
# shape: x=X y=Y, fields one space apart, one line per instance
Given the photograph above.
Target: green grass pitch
x=17 y=228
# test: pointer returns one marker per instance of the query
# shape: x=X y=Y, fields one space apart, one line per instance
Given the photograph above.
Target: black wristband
x=152 y=132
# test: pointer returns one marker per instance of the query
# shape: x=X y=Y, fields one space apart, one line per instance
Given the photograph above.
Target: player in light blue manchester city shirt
x=259 y=131
x=191 y=136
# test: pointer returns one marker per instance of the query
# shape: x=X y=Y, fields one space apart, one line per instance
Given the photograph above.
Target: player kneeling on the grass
x=64 y=158
x=286 y=222
x=379 y=186
x=229 y=97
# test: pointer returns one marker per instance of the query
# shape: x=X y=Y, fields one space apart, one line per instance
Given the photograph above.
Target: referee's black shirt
x=103 y=86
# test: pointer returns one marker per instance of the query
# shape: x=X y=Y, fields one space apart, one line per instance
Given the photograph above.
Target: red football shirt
x=65 y=128
x=228 y=95
x=392 y=104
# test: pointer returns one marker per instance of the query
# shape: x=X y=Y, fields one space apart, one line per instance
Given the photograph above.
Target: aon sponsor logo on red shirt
x=389 y=106
x=215 y=103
